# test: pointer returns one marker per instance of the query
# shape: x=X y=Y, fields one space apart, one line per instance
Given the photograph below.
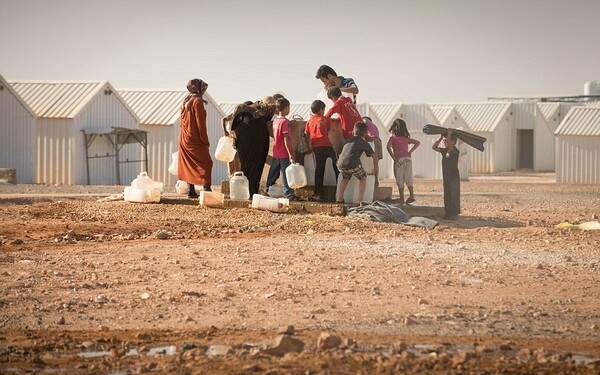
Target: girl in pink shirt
x=397 y=147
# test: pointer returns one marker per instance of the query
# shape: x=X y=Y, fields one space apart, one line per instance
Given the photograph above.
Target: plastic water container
x=351 y=192
x=239 y=187
x=181 y=187
x=144 y=182
x=296 y=176
x=225 y=151
x=132 y=194
x=270 y=204
x=309 y=168
x=143 y=190
x=211 y=199
x=275 y=191
x=174 y=161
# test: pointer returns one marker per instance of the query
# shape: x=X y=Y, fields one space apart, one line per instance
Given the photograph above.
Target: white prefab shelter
x=159 y=111
x=448 y=117
x=578 y=147
x=426 y=163
x=63 y=111
x=548 y=119
x=491 y=120
x=17 y=143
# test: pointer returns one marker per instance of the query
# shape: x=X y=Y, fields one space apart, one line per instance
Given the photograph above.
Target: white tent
x=491 y=120
x=426 y=163
x=159 y=112
x=63 y=111
x=578 y=146
x=17 y=143
x=548 y=119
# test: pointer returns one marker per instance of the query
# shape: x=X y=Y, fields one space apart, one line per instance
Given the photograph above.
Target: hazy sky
x=397 y=51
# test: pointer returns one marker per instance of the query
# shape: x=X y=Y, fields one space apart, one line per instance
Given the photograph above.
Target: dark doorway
x=525 y=142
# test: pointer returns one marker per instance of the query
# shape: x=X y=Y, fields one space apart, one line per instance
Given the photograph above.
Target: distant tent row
x=43 y=125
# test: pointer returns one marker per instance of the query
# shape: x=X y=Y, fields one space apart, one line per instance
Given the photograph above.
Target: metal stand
x=118 y=137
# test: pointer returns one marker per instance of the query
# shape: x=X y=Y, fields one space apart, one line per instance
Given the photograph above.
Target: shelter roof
x=55 y=99
x=4 y=85
x=548 y=110
x=155 y=106
x=386 y=112
x=581 y=121
x=481 y=117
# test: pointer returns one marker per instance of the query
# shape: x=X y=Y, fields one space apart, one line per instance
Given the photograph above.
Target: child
x=373 y=136
x=344 y=107
x=282 y=148
x=316 y=134
x=349 y=161
x=450 y=174
x=397 y=147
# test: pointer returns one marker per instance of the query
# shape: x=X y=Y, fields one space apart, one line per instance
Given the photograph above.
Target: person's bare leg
x=343 y=186
x=401 y=193
x=411 y=197
x=362 y=186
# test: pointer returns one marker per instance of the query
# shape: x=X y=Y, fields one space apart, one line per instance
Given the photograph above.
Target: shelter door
x=525 y=143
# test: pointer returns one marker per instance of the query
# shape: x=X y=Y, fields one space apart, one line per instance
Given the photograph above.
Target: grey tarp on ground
x=387 y=212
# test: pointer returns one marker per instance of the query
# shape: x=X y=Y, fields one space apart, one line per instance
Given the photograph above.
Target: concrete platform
x=8 y=176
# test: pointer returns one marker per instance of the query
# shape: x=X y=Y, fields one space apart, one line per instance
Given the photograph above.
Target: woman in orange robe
x=195 y=163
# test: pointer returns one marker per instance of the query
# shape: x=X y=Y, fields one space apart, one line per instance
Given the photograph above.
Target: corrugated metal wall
x=214 y=115
x=55 y=144
x=17 y=143
x=543 y=140
x=162 y=143
x=577 y=159
x=104 y=111
x=426 y=162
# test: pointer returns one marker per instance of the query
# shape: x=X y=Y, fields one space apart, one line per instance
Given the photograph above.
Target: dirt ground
x=119 y=287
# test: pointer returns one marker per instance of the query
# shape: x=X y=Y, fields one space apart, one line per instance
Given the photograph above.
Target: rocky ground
x=120 y=287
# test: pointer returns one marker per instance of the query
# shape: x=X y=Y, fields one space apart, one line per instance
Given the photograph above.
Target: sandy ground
x=119 y=287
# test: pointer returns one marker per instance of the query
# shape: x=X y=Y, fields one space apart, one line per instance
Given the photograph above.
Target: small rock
x=594 y=327
x=87 y=344
x=328 y=341
x=281 y=345
x=288 y=330
x=421 y=301
x=310 y=232
x=61 y=320
x=145 y=295
x=218 y=350
x=162 y=234
x=101 y=299
x=16 y=242
x=409 y=321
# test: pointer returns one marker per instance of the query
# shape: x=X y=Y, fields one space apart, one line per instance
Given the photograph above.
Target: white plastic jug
x=144 y=182
x=225 y=151
x=296 y=176
x=270 y=204
x=211 y=199
x=239 y=187
x=275 y=191
x=174 y=161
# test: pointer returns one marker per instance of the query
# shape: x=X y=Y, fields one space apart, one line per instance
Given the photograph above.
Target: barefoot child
x=349 y=162
x=397 y=147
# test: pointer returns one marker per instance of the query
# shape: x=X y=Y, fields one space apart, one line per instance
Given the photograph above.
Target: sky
x=411 y=51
